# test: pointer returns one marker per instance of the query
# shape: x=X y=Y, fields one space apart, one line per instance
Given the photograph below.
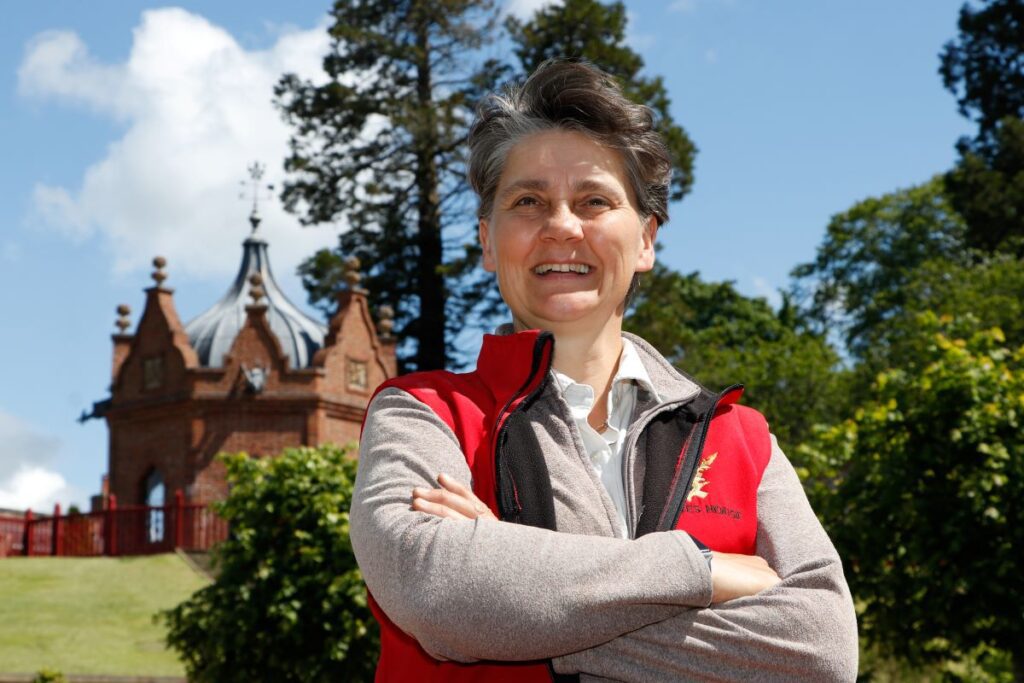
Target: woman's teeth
x=580 y=268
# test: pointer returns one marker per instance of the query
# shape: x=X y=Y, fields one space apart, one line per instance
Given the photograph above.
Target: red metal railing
x=131 y=530
x=12 y=535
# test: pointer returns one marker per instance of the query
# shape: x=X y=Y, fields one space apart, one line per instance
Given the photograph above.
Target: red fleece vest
x=720 y=508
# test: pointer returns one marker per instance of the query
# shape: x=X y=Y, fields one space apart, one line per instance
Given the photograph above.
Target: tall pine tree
x=379 y=147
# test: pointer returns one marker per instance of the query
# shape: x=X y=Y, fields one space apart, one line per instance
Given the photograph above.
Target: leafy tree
x=380 y=147
x=984 y=69
x=722 y=337
x=858 y=279
x=922 y=491
x=990 y=290
x=595 y=31
x=987 y=188
x=288 y=603
x=984 y=66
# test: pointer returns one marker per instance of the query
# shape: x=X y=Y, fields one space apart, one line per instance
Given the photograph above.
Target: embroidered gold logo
x=699 y=482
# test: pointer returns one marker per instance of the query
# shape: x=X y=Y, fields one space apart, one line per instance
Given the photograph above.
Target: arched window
x=153 y=496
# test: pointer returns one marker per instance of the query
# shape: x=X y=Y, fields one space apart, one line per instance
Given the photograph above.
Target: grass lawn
x=90 y=615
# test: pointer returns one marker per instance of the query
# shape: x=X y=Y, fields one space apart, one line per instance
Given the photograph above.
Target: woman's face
x=564 y=236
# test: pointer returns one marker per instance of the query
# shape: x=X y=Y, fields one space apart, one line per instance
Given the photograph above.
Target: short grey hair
x=576 y=96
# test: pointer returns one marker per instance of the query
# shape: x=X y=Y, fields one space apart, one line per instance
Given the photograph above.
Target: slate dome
x=213 y=332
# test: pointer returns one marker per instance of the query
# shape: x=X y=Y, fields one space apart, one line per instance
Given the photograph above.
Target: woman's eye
x=526 y=201
x=598 y=201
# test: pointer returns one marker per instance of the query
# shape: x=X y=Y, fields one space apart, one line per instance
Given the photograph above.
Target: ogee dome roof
x=212 y=333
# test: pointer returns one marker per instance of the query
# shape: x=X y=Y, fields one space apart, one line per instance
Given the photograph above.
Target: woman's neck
x=590 y=357
x=588 y=360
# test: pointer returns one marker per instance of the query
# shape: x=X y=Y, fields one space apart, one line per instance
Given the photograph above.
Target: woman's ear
x=648 y=230
x=490 y=263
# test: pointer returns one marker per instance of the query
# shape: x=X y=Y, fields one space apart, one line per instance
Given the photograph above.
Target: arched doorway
x=154 y=496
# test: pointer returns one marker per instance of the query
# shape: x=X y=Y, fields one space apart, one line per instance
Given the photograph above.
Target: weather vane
x=256 y=171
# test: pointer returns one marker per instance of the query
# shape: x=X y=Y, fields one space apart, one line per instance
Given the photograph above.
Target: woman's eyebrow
x=591 y=185
x=538 y=185
x=533 y=184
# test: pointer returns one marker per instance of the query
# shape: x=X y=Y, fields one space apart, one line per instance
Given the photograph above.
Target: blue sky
x=127 y=126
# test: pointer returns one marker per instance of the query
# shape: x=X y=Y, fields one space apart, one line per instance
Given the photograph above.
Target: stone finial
x=256 y=290
x=159 y=275
x=123 y=323
x=352 y=275
x=386 y=324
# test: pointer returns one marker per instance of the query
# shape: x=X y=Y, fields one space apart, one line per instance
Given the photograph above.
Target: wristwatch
x=704 y=550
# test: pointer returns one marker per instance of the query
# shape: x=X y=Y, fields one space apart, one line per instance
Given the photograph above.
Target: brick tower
x=252 y=373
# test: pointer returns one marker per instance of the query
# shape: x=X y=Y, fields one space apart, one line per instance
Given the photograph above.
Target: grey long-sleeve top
x=605 y=607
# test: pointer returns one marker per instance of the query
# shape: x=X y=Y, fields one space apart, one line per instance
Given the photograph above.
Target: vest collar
x=671 y=384
x=506 y=358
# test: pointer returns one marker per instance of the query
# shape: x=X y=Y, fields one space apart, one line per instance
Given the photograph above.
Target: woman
x=598 y=513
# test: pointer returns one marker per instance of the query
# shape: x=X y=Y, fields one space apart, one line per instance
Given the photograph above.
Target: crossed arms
x=604 y=607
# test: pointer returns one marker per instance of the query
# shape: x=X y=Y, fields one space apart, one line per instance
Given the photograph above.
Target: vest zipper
x=629 y=454
x=690 y=460
x=508 y=501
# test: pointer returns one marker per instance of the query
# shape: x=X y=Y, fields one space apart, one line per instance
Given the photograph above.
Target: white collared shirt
x=605 y=449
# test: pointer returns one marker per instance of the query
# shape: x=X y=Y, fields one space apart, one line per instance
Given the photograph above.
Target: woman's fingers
x=455 y=486
x=458 y=488
x=453 y=497
x=424 y=504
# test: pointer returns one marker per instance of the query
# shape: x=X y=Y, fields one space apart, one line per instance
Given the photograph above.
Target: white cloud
x=26 y=478
x=35 y=488
x=58 y=63
x=197 y=110
x=20 y=443
x=58 y=209
x=523 y=9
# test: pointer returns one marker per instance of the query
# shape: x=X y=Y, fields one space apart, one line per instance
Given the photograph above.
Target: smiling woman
x=599 y=514
x=565 y=237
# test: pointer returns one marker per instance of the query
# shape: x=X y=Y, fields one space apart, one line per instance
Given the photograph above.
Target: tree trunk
x=430 y=354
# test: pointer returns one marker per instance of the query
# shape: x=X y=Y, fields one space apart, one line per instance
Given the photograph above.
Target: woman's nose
x=562 y=224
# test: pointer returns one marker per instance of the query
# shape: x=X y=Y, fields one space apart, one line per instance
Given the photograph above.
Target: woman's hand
x=452 y=500
x=737 y=576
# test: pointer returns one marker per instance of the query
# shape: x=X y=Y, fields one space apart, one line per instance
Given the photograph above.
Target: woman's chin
x=566 y=312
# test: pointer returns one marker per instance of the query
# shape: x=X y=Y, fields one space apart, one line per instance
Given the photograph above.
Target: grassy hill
x=90 y=615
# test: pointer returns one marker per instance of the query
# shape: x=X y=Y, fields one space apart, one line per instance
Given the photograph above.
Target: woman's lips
x=545 y=269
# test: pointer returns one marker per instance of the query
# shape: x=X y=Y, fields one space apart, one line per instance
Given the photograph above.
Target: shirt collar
x=656 y=370
x=631 y=369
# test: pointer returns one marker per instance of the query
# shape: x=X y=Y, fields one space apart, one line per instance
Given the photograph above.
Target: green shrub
x=288 y=603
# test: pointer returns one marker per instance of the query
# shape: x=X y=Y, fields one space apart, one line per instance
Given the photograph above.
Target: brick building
x=252 y=373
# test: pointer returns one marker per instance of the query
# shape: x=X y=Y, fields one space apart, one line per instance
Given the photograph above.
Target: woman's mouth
x=546 y=268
